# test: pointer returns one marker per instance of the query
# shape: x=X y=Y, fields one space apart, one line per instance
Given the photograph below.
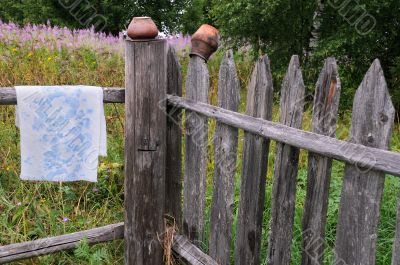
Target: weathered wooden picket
x=156 y=187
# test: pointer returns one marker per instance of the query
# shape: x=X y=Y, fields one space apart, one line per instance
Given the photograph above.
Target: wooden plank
x=255 y=162
x=182 y=246
x=396 y=244
x=196 y=140
x=225 y=154
x=114 y=95
x=285 y=171
x=50 y=245
x=173 y=171
x=372 y=122
x=326 y=103
x=145 y=150
x=356 y=154
x=111 y=95
x=190 y=253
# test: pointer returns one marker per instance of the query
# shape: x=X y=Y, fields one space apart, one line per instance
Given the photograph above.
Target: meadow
x=44 y=55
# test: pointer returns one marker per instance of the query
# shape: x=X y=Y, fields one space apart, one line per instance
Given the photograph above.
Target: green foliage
x=195 y=13
x=355 y=50
x=282 y=28
x=34 y=11
x=193 y=16
x=78 y=13
x=276 y=26
x=166 y=13
x=87 y=256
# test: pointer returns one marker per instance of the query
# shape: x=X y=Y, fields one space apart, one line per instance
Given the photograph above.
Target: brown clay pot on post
x=205 y=41
x=142 y=28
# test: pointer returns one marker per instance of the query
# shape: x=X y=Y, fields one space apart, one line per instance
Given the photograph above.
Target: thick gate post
x=145 y=145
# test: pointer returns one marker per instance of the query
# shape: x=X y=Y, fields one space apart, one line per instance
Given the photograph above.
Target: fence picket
x=372 y=121
x=225 y=154
x=286 y=167
x=396 y=244
x=326 y=103
x=173 y=170
x=196 y=140
x=254 y=168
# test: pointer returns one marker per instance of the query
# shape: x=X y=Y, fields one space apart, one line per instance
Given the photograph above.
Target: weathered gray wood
x=326 y=103
x=372 y=121
x=49 y=245
x=173 y=184
x=396 y=244
x=285 y=171
x=190 y=253
x=111 y=95
x=8 y=96
x=255 y=162
x=373 y=158
x=196 y=140
x=225 y=154
x=145 y=150
x=182 y=247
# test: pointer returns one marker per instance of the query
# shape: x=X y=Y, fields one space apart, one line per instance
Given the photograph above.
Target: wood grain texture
x=145 y=151
x=359 y=212
x=182 y=246
x=8 y=95
x=356 y=154
x=225 y=154
x=185 y=250
x=173 y=171
x=396 y=243
x=254 y=168
x=50 y=245
x=325 y=109
x=113 y=95
x=285 y=171
x=196 y=141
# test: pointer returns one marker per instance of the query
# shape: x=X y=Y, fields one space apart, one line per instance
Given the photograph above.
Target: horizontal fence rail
x=355 y=154
x=181 y=246
x=186 y=250
x=50 y=245
x=8 y=95
x=359 y=155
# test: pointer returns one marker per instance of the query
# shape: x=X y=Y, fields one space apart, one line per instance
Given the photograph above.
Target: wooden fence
x=155 y=182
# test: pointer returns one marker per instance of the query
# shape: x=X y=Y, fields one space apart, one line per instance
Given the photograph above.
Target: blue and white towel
x=63 y=132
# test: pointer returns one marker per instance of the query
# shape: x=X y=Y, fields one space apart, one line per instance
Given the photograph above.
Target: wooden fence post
x=173 y=185
x=225 y=146
x=254 y=168
x=325 y=109
x=145 y=145
x=372 y=122
x=286 y=167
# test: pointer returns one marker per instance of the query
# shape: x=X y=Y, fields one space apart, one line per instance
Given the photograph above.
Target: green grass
x=30 y=210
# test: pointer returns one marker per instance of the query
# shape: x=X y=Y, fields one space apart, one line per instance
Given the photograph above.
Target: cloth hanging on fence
x=63 y=132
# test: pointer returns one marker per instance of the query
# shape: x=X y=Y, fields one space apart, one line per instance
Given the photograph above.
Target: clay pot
x=142 y=28
x=205 y=41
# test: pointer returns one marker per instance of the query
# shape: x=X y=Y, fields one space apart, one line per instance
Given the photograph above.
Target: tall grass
x=32 y=210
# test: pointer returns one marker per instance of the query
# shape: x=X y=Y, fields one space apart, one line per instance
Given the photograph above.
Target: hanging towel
x=63 y=132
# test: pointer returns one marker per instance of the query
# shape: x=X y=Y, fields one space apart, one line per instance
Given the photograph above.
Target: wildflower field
x=45 y=55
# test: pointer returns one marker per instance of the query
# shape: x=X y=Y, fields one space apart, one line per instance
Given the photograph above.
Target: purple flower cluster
x=180 y=42
x=57 y=38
